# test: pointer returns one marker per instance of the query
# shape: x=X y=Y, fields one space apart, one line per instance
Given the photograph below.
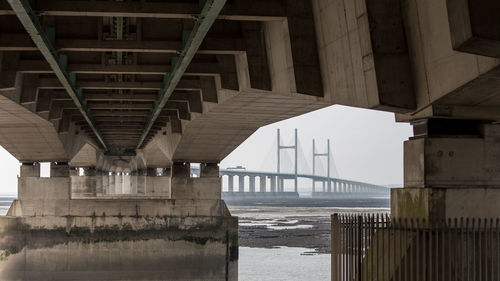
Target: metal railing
x=374 y=247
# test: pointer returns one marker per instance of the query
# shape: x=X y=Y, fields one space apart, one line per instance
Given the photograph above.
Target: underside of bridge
x=120 y=96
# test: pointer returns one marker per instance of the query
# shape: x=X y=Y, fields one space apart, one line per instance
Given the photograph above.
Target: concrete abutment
x=61 y=228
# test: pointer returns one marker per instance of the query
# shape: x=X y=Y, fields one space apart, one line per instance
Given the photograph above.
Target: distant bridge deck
x=330 y=186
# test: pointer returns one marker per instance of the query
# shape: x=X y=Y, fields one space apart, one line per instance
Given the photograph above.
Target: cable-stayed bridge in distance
x=291 y=170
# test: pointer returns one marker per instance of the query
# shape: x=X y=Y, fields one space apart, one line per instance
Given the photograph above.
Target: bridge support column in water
x=58 y=230
x=451 y=179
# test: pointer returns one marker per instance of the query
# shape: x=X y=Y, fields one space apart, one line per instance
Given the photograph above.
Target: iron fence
x=374 y=247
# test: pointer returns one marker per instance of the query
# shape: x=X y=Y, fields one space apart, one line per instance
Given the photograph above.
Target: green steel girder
x=209 y=13
x=58 y=63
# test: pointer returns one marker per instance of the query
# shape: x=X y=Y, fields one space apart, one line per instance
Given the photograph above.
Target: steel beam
x=208 y=15
x=29 y=20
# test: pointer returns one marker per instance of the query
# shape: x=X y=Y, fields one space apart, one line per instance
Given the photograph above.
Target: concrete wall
x=162 y=253
x=196 y=188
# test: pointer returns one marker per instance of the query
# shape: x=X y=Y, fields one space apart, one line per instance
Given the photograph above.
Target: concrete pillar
x=105 y=182
x=118 y=183
x=209 y=170
x=281 y=184
x=252 y=184
x=126 y=184
x=99 y=183
x=112 y=180
x=59 y=169
x=241 y=183
x=141 y=181
x=273 y=184
x=133 y=182
x=230 y=183
x=323 y=183
x=181 y=170
x=450 y=172
x=262 y=183
x=30 y=169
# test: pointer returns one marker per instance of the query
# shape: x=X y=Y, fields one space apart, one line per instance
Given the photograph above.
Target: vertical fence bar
x=372 y=241
x=429 y=234
x=492 y=251
x=344 y=248
x=400 y=249
x=490 y=248
x=473 y=249
x=335 y=247
x=377 y=247
x=424 y=249
x=458 y=263
x=443 y=249
x=360 y=231
x=480 y=240
x=412 y=250
x=467 y=246
x=353 y=247
x=463 y=250
x=417 y=249
x=394 y=246
x=436 y=250
x=449 y=233
x=382 y=248
x=497 y=229
x=367 y=245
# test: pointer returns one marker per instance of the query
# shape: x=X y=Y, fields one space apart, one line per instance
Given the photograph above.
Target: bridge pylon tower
x=279 y=148
x=327 y=155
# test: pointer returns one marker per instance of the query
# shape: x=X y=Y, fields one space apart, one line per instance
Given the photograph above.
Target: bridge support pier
x=263 y=187
x=252 y=184
x=230 y=183
x=450 y=174
x=273 y=184
x=188 y=235
x=241 y=183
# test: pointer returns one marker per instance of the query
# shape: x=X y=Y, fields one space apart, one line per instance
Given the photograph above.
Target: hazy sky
x=366 y=145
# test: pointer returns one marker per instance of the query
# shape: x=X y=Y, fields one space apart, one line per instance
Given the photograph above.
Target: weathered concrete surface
x=445 y=203
x=49 y=235
x=454 y=161
x=188 y=248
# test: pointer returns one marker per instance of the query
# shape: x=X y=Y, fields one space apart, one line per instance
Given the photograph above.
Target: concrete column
x=133 y=182
x=230 y=183
x=141 y=181
x=281 y=184
x=30 y=169
x=59 y=169
x=323 y=183
x=209 y=170
x=273 y=184
x=241 y=183
x=105 y=182
x=252 y=184
x=112 y=180
x=262 y=183
x=181 y=170
x=98 y=183
x=126 y=184
x=118 y=183
x=450 y=172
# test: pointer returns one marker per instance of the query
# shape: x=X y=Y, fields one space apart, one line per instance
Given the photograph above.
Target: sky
x=366 y=146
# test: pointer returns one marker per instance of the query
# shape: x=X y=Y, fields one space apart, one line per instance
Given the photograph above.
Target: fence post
x=335 y=247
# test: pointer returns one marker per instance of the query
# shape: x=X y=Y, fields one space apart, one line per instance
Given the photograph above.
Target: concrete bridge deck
x=132 y=92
